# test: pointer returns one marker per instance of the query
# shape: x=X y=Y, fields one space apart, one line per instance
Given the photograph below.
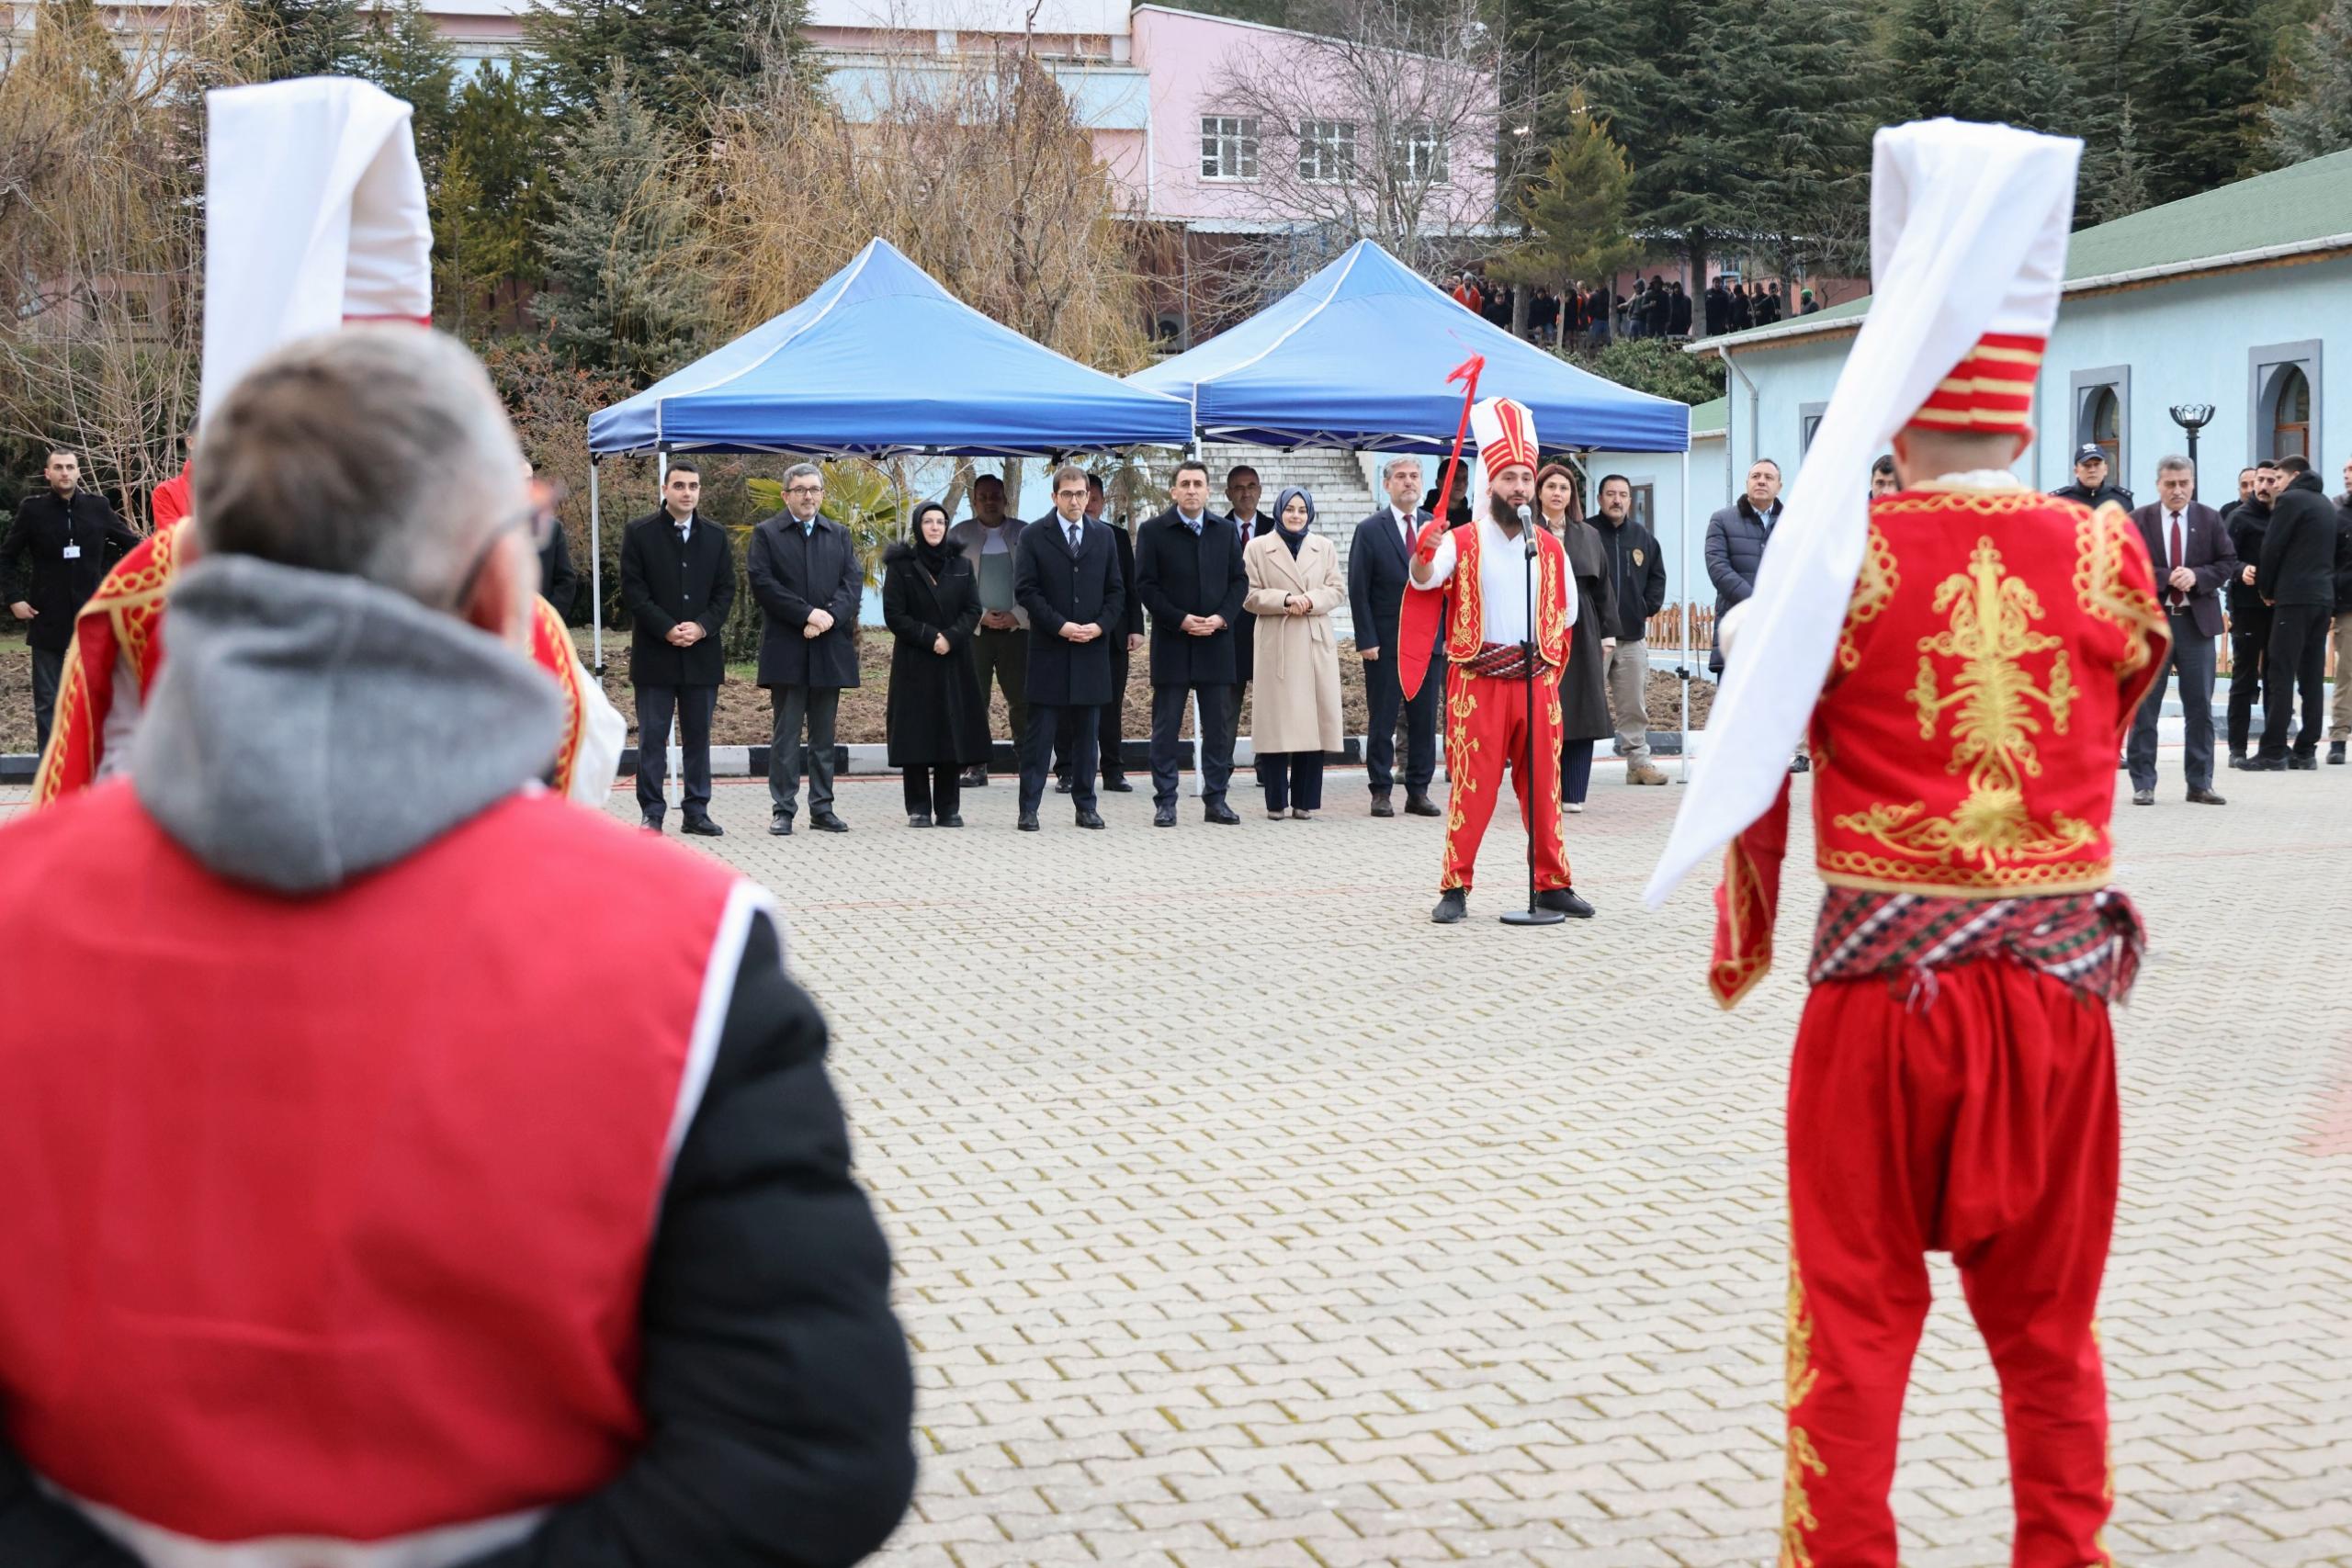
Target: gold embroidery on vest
x=1991 y=617
x=1874 y=588
x=1797 y=1517
x=2100 y=587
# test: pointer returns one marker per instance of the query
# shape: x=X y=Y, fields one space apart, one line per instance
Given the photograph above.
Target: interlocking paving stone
x=1241 y=1217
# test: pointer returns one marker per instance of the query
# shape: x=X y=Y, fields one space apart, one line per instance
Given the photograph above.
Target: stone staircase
x=1336 y=479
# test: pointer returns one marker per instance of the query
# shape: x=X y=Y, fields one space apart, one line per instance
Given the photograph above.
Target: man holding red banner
x=1474 y=580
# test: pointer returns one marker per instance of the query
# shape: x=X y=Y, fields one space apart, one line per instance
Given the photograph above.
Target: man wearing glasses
x=677 y=583
x=805 y=573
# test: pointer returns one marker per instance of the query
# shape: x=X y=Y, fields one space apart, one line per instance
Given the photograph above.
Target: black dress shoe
x=1163 y=816
x=1117 y=783
x=1380 y=805
x=651 y=824
x=952 y=819
x=1451 y=907
x=780 y=825
x=2335 y=752
x=975 y=778
x=1089 y=819
x=1061 y=787
x=2304 y=761
x=1221 y=814
x=2237 y=759
x=1421 y=806
x=2143 y=798
x=1800 y=764
x=2265 y=764
x=2205 y=797
x=826 y=822
x=918 y=818
x=1566 y=901
x=1028 y=823
x=702 y=827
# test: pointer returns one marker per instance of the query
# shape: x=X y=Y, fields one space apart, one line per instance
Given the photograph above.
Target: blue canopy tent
x=881 y=361
x=1357 y=356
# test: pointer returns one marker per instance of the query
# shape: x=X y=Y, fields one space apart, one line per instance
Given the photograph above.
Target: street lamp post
x=2193 y=418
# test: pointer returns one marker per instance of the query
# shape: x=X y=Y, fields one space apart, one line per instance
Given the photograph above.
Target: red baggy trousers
x=1485 y=732
x=1975 y=1114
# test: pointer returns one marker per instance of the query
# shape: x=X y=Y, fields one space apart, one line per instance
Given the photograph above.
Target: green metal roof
x=2303 y=205
x=1709 y=418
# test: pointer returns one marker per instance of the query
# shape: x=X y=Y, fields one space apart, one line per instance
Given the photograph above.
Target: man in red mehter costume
x=1954 y=1083
x=1473 y=581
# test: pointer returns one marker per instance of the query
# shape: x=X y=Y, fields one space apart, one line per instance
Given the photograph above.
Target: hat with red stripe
x=1992 y=390
x=1505 y=431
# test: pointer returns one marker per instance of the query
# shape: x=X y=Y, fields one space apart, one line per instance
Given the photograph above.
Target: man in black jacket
x=805 y=573
x=677 y=584
x=2339 y=721
x=1379 y=566
x=1242 y=488
x=1718 y=307
x=1189 y=575
x=2248 y=520
x=1066 y=575
x=1111 y=730
x=558 y=581
x=2297 y=579
x=63 y=539
x=1638 y=572
x=2191 y=553
x=2090 y=487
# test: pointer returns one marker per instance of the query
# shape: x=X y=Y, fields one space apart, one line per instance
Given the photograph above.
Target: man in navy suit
x=1189 y=575
x=1066 y=575
x=2193 y=557
x=677 y=583
x=1377 y=566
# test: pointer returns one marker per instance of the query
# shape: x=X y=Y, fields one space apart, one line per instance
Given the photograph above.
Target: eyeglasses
x=804 y=489
x=539 y=515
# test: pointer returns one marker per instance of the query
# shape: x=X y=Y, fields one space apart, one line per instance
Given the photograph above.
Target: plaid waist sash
x=1508 y=661
x=2090 y=941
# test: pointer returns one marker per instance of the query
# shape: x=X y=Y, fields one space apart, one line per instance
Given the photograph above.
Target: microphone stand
x=1533 y=915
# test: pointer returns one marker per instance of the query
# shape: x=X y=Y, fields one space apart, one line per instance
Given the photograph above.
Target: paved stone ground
x=1243 y=1217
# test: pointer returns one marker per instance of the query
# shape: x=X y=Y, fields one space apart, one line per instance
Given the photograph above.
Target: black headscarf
x=931 y=557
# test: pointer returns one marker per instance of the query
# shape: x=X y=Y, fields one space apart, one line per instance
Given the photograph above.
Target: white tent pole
x=1687 y=638
x=596 y=569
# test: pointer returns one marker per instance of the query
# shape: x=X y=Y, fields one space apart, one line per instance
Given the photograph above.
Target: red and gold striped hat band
x=1992 y=390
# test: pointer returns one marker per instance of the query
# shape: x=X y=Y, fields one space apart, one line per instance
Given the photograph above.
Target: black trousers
x=933 y=791
x=1167 y=746
x=1576 y=770
x=1293 y=780
x=1066 y=730
x=694 y=705
x=2192 y=659
x=1229 y=732
x=794 y=708
x=2295 y=661
x=1108 y=728
x=2249 y=642
x=49 y=669
x=1385 y=693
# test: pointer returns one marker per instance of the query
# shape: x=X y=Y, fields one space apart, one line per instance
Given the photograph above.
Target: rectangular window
x=1228 y=147
x=1808 y=423
x=1326 y=151
x=2283 y=386
x=2102 y=419
x=1420 y=149
x=1645 y=497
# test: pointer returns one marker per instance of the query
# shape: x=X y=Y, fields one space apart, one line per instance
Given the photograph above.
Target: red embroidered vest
x=329 y=1216
x=1466 y=623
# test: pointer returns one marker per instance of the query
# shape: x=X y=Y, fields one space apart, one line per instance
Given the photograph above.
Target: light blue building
x=2239 y=300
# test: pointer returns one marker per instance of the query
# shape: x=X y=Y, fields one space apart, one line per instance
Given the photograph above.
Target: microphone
x=1527 y=529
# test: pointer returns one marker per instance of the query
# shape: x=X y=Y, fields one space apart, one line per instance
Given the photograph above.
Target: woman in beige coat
x=1294 y=585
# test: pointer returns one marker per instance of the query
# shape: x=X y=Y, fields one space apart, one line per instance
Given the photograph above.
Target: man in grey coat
x=805 y=573
x=1735 y=539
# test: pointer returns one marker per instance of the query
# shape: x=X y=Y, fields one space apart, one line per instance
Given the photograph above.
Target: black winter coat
x=2343 y=561
x=2298 y=563
x=1177 y=575
x=1057 y=588
x=774 y=1383
x=662 y=584
x=33 y=568
x=2249 y=524
x=1584 y=685
x=1245 y=642
x=558 y=579
x=936 y=714
x=792 y=574
x=1718 y=308
x=1735 y=538
x=2095 y=499
x=1636 y=575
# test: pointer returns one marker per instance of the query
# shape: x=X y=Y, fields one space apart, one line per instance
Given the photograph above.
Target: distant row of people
x=1654 y=308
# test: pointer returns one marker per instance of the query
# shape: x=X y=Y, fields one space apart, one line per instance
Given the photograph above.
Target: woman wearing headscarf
x=937 y=721
x=1294 y=584
x=1584 y=685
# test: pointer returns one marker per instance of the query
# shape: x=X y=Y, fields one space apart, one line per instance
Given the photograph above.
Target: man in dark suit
x=558 y=579
x=1189 y=574
x=1110 y=727
x=1242 y=488
x=2248 y=520
x=1378 y=562
x=1066 y=574
x=677 y=584
x=57 y=551
x=805 y=574
x=2296 y=578
x=2192 y=552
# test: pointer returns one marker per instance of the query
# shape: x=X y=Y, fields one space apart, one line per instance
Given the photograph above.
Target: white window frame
x=1326 y=151
x=1423 y=152
x=1228 y=147
x=2083 y=390
x=2263 y=366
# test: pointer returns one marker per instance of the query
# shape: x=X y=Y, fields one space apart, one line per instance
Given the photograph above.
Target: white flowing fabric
x=315 y=215
x=1968 y=236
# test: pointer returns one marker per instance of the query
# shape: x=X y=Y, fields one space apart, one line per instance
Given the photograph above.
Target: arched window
x=2290 y=414
x=2103 y=424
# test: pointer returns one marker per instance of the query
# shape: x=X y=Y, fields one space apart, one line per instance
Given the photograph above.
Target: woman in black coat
x=937 y=721
x=1584 y=685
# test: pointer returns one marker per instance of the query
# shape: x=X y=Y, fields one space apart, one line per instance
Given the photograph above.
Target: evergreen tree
x=305 y=38
x=625 y=295
x=499 y=138
x=1575 y=212
x=402 y=50
x=1794 y=133
x=2218 y=55
x=690 y=54
x=1951 y=57
x=2314 y=115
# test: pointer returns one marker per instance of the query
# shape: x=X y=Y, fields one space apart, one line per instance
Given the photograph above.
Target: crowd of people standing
x=1586 y=316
